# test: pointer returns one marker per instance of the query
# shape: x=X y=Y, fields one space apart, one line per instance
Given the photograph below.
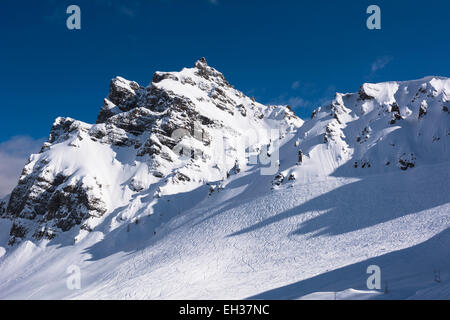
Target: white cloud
x=380 y=63
x=14 y=154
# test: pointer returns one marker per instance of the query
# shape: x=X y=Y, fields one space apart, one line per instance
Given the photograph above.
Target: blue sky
x=296 y=52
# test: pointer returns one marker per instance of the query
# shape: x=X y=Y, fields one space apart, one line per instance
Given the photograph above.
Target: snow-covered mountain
x=86 y=172
x=383 y=128
x=187 y=188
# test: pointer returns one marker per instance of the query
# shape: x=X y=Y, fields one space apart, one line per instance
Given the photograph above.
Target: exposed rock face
x=84 y=171
x=51 y=202
x=2 y=207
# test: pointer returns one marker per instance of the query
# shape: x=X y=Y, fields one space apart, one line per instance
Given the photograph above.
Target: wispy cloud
x=56 y=9
x=295 y=85
x=308 y=96
x=14 y=154
x=292 y=101
x=128 y=8
x=214 y=2
x=298 y=102
x=380 y=63
x=127 y=11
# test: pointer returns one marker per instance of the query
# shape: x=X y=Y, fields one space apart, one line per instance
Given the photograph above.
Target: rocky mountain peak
x=201 y=63
x=137 y=148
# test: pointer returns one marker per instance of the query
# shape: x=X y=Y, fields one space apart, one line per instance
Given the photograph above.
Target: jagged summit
x=201 y=61
x=125 y=95
x=135 y=150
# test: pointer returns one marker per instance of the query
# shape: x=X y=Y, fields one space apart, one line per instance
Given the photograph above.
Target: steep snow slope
x=371 y=188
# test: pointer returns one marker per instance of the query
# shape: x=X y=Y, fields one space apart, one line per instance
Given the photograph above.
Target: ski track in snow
x=198 y=255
